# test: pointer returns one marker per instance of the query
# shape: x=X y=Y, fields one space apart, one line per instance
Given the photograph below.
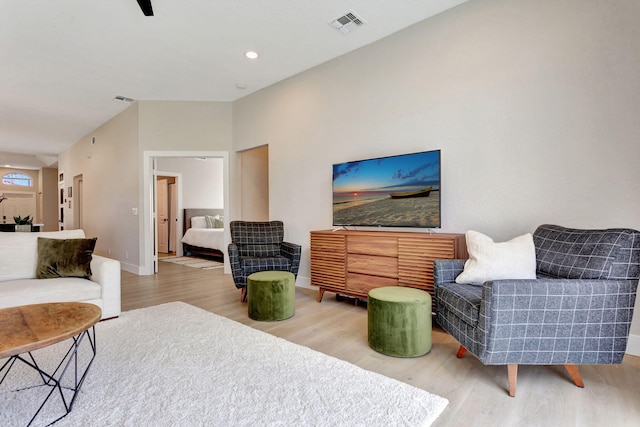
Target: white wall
x=109 y=168
x=201 y=180
x=535 y=107
x=112 y=168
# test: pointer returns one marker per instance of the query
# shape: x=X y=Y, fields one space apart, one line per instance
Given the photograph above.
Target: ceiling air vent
x=123 y=99
x=347 y=22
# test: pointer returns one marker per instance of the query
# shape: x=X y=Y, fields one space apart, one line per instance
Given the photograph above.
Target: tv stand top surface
x=389 y=233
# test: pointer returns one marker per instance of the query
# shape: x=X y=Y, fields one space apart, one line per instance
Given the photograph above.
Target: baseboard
x=129 y=268
x=305 y=282
x=633 y=345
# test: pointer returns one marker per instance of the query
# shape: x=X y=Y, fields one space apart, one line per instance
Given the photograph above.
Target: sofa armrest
x=562 y=321
x=293 y=252
x=106 y=272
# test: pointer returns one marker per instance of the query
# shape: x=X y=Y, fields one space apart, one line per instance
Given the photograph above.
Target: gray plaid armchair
x=577 y=311
x=259 y=246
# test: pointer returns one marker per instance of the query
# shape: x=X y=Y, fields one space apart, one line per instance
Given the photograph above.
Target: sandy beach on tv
x=414 y=212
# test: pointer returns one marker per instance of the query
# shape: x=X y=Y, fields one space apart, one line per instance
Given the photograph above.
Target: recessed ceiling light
x=241 y=86
x=251 y=54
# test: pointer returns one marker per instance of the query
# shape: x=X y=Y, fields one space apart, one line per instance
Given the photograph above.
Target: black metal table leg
x=68 y=365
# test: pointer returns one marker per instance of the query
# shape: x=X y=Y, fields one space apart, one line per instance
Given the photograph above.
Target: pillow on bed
x=215 y=221
x=198 y=222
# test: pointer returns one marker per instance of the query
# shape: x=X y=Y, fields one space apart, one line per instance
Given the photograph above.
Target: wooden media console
x=354 y=262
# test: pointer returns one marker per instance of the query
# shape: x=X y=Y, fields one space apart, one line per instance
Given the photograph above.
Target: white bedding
x=212 y=238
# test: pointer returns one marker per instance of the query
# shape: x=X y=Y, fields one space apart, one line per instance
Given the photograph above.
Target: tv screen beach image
x=396 y=191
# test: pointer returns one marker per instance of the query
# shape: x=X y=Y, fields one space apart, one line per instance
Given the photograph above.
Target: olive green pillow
x=64 y=257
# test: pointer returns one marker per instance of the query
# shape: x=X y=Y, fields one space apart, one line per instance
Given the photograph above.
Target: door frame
x=179 y=214
x=148 y=253
x=78 y=212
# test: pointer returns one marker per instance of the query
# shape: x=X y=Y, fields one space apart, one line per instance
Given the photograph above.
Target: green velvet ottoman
x=271 y=295
x=399 y=321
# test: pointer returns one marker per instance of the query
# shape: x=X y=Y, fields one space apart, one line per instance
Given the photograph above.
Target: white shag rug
x=194 y=262
x=178 y=365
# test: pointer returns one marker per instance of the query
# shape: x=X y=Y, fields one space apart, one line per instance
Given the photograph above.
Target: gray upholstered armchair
x=577 y=311
x=259 y=246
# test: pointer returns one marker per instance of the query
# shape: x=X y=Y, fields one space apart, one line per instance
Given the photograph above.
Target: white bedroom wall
x=201 y=180
x=534 y=105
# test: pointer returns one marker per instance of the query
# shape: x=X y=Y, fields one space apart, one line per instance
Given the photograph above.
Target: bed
x=198 y=239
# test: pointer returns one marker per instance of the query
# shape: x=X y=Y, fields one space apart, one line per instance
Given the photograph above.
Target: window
x=19 y=179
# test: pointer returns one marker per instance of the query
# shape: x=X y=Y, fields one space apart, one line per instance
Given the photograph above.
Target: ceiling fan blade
x=145 y=5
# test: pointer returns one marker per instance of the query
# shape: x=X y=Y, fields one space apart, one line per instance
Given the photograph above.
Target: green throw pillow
x=64 y=257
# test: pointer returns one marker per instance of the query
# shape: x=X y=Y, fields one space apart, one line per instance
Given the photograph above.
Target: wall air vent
x=347 y=22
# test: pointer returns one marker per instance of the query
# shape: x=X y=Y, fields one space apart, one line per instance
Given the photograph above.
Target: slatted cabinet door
x=328 y=267
x=415 y=261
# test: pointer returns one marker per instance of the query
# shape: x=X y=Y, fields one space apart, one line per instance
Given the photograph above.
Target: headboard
x=191 y=212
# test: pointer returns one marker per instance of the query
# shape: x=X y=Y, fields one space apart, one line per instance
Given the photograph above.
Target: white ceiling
x=63 y=61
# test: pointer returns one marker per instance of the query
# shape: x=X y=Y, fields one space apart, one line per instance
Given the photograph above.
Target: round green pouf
x=271 y=295
x=399 y=321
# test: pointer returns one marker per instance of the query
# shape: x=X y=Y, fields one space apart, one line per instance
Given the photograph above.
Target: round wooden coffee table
x=28 y=328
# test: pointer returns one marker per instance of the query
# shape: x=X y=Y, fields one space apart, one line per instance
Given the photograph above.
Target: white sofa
x=18 y=285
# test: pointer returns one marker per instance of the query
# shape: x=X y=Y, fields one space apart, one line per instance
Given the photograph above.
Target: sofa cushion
x=253 y=265
x=570 y=253
x=36 y=291
x=20 y=252
x=461 y=301
x=488 y=260
x=266 y=250
x=64 y=258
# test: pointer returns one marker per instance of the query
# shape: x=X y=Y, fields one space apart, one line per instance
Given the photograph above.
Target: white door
x=78 y=216
x=173 y=217
x=163 y=215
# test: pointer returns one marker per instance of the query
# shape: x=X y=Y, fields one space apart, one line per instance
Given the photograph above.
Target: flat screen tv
x=394 y=191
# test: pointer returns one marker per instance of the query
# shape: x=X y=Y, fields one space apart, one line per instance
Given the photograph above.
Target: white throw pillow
x=488 y=260
x=198 y=222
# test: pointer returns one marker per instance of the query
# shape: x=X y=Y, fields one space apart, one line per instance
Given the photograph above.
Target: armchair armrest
x=446 y=270
x=106 y=272
x=293 y=252
x=234 y=263
x=556 y=321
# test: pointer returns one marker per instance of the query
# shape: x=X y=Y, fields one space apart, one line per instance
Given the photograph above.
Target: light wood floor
x=477 y=393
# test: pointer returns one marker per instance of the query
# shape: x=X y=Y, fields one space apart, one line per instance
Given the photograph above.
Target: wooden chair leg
x=574 y=373
x=461 y=352
x=243 y=294
x=512 y=370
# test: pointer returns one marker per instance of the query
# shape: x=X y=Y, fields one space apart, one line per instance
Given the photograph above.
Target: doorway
x=166 y=205
x=76 y=197
x=253 y=177
x=147 y=248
